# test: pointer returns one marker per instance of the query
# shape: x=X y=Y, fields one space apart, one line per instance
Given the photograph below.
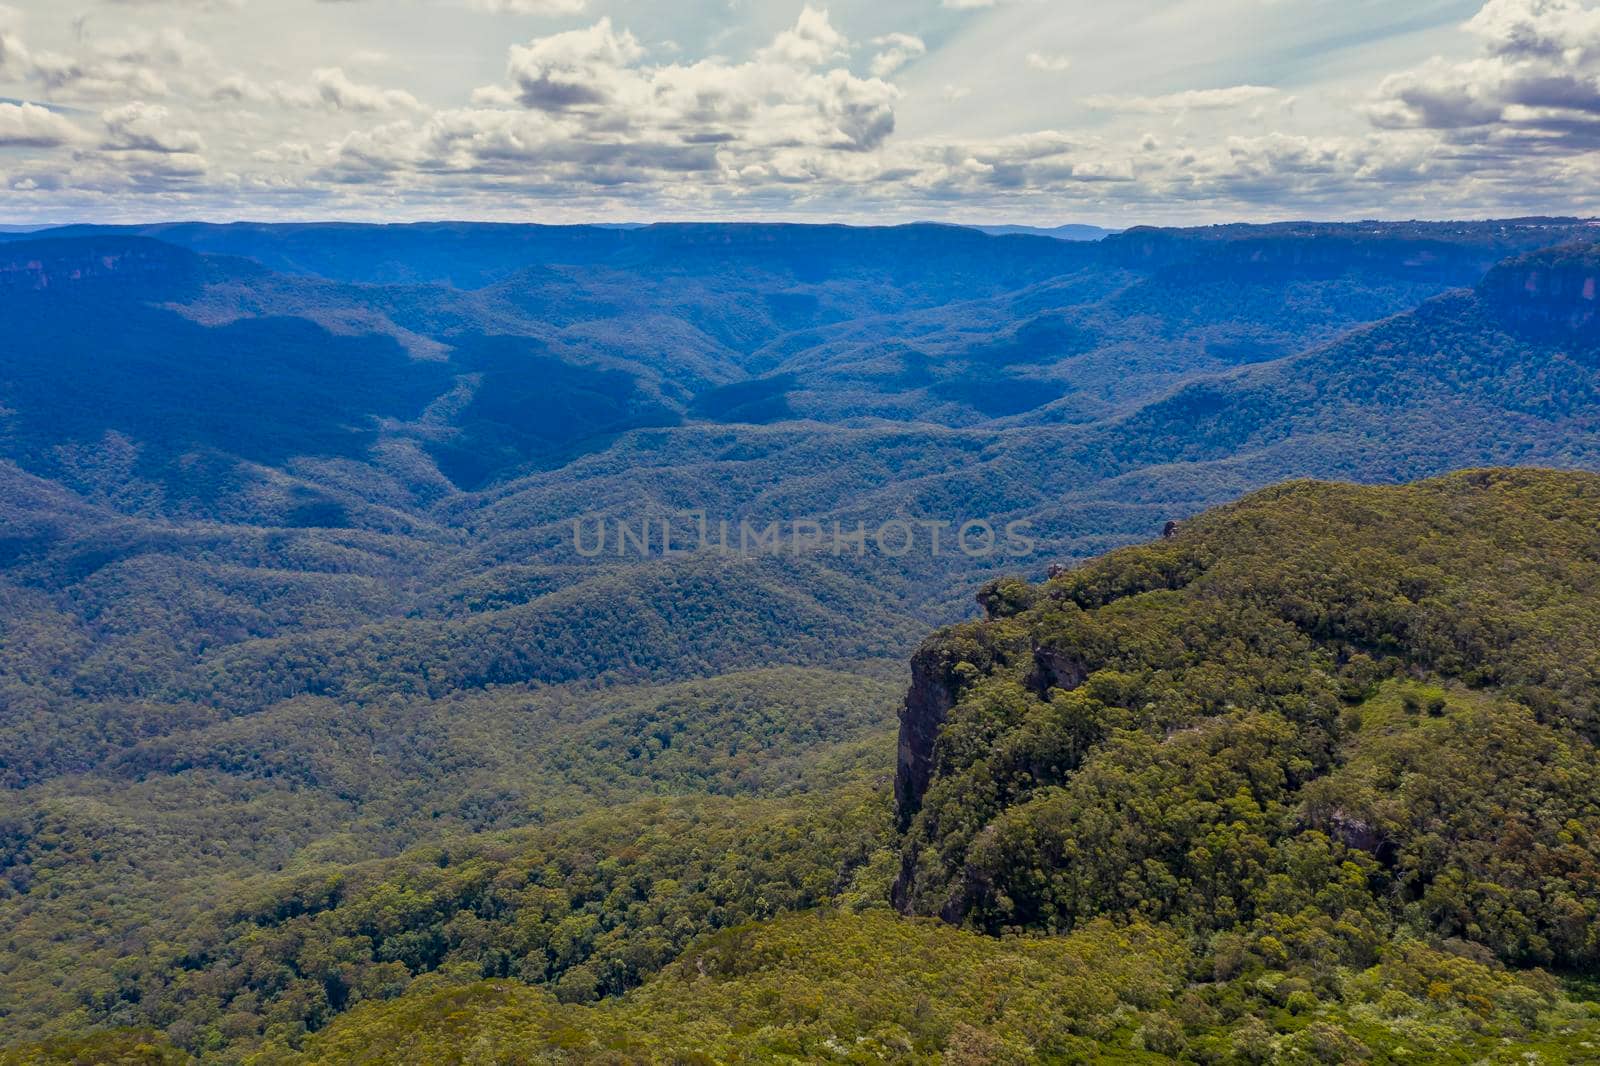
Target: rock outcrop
x=935 y=687
x=1557 y=289
x=128 y=262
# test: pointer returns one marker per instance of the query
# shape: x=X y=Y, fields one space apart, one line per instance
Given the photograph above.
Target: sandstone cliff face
x=1204 y=254
x=934 y=690
x=1557 y=289
x=127 y=261
x=937 y=675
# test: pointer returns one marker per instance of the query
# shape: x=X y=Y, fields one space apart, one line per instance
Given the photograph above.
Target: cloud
x=812 y=42
x=597 y=82
x=143 y=127
x=237 y=87
x=979 y=5
x=90 y=79
x=15 y=60
x=212 y=5
x=1545 y=29
x=336 y=90
x=141 y=64
x=597 y=122
x=1188 y=100
x=895 y=50
x=1534 y=89
x=548 y=8
x=579 y=68
x=328 y=89
x=587 y=111
x=31 y=126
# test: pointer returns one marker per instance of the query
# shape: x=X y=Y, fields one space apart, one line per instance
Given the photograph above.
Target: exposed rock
x=934 y=690
x=1556 y=289
x=38 y=265
x=1056 y=668
x=1358 y=834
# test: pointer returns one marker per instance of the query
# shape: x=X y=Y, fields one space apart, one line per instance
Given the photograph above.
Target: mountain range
x=310 y=701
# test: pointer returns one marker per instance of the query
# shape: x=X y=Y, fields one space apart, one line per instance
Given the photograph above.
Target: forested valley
x=322 y=743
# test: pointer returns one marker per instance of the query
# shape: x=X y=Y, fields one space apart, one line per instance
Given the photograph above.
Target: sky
x=1036 y=112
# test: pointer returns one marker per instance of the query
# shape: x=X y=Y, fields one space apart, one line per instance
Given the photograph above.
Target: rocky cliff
x=131 y=263
x=1557 y=289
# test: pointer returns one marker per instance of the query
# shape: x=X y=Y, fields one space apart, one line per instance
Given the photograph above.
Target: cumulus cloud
x=1533 y=90
x=94 y=77
x=1048 y=159
x=335 y=89
x=595 y=85
x=31 y=126
x=143 y=127
x=328 y=88
x=1535 y=87
x=895 y=50
x=596 y=120
x=141 y=64
x=812 y=42
x=589 y=111
x=1548 y=29
x=574 y=69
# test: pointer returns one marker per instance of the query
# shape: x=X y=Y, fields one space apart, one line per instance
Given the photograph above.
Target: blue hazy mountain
x=1068 y=232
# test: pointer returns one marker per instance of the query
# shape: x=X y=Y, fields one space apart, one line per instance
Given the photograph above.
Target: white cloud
x=547 y=8
x=14 y=57
x=596 y=121
x=146 y=127
x=1552 y=29
x=211 y=5
x=895 y=50
x=1535 y=88
x=1188 y=100
x=138 y=64
x=335 y=89
x=811 y=42
x=31 y=126
x=579 y=68
x=596 y=85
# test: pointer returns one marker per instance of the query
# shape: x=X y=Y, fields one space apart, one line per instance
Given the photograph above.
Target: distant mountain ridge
x=1068 y=232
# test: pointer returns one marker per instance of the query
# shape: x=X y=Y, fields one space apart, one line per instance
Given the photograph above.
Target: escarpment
x=1301 y=713
x=935 y=687
x=1557 y=289
x=118 y=266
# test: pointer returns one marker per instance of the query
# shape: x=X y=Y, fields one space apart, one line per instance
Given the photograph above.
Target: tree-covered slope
x=155 y=889
x=1304 y=725
x=1504 y=372
x=1312 y=780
